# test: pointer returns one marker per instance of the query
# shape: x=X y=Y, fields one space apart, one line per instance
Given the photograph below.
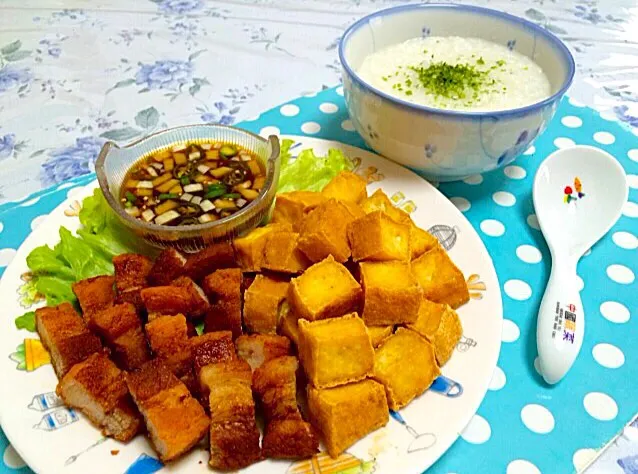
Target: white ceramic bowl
x=447 y=145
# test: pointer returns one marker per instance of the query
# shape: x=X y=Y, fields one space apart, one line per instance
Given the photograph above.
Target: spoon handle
x=561 y=321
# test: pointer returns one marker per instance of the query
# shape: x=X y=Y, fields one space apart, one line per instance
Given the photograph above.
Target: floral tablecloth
x=75 y=73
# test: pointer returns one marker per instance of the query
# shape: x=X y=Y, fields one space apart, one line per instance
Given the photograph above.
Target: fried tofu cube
x=286 y=434
x=94 y=294
x=250 y=247
x=121 y=328
x=224 y=291
x=447 y=336
x=378 y=334
x=429 y=318
x=441 y=280
x=65 y=336
x=346 y=186
x=282 y=254
x=206 y=261
x=168 y=265
x=288 y=326
x=131 y=271
x=257 y=349
x=323 y=232
x=212 y=348
x=168 y=338
x=175 y=421
x=405 y=364
x=325 y=290
x=391 y=294
x=97 y=388
x=291 y=207
x=347 y=413
x=335 y=351
x=198 y=301
x=262 y=304
x=377 y=237
x=421 y=241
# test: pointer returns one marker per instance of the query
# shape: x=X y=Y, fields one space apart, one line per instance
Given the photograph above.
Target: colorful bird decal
x=569 y=192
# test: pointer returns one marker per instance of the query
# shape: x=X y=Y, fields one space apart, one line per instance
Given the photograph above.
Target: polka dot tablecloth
x=522 y=426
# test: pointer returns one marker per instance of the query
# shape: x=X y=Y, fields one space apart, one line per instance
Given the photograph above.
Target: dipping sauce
x=456 y=73
x=192 y=183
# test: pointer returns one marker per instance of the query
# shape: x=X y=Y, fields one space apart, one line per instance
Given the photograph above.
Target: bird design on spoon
x=570 y=195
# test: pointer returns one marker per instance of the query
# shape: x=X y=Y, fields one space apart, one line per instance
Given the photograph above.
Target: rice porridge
x=456 y=73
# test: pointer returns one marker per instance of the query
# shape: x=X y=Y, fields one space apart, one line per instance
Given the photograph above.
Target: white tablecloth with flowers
x=75 y=73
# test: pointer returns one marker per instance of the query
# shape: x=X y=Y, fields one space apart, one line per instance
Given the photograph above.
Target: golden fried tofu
x=346 y=186
x=291 y=207
x=325 y=290
x=421 y=241
x=167 y=300
x=250 y=247
x=335 y=351
x=206 y=261
x=347 y=413
x=97 y=388
x=323 y=232
x=257 y=349
x=65 y=336
x=262 y=304
x=377 y=237
x=131 y=271
x=198 y=301
x=212 y=348
x=282 y=254
x=441 y=280
x=429 y=318
x=406 y=365
x=286 y=434
x=168 y=338
x=94 y=294
x=168 y=265
x=391 y=294
x=121 y=328
x=224 y=291
x=447 y=336
x=288 y=326
x=175 y=421
x=378 y=334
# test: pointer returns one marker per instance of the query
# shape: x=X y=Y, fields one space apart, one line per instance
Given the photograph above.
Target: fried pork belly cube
x=376 y=237
x=323 y=232
x=212 y=258
x=288 y=326
x=121 y=328
x=250 y=248
x=199 y=302
x=335 y=351
x=346 y=186
x=94 y=294
x=347 y=413
x=167 y=300
x=224 y=291
x=168 y=265
x=391 y=294
x=378 y=334
x=175 y=421
x=325 y=290
x=420 y=240
x=405 y=364
x=65 y=336
x=168 y=338
x=282 y=254
x=447 y=336
x=97 y=388
x=441 y=280
x=291 y=207
x=429 y=318
x=286 y=435
x=131 y=271
x=212 y=348
x=262 y=304
x=257 y=349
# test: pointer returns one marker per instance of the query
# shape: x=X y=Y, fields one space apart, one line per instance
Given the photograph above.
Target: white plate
x=52 y=439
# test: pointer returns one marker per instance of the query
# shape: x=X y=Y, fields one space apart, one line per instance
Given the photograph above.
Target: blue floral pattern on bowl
x=429 y=150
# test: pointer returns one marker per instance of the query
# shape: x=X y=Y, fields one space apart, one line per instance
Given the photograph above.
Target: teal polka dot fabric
x=523 y=426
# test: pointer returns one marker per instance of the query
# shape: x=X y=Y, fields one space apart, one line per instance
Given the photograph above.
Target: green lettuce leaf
x=26 y=321
x=56 y=290
x=310 y=172
x=44 y=259
x=85 y=260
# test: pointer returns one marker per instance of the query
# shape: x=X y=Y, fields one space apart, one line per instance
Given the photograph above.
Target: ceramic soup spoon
x=578 y=195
